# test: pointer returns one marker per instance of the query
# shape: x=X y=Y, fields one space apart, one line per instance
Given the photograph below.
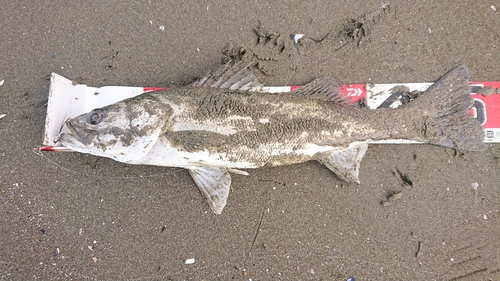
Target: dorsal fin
x=233 y=76
x=324 y=88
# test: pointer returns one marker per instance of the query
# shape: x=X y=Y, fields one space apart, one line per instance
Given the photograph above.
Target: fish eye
x=95 y=116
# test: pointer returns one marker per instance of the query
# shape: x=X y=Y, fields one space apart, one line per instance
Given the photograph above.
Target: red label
x=152 y=89
x=353 y=91
x=487 y=109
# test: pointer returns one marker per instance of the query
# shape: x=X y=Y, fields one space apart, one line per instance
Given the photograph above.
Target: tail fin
x=446 y=104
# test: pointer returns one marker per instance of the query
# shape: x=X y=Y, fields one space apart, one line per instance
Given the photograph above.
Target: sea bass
x=222 y=124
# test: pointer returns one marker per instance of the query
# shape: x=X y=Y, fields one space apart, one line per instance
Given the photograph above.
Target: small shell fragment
x=296 y=37
x=475 y=185
x=189 y=261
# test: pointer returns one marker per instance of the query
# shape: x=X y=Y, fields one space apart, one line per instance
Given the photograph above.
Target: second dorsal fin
x=324 y=88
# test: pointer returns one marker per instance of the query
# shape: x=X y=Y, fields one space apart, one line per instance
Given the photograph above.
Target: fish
x=224 y=123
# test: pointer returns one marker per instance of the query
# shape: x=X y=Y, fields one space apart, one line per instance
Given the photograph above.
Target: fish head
x=125 y=131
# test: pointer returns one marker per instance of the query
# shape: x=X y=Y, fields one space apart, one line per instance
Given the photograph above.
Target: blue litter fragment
x=52 y=54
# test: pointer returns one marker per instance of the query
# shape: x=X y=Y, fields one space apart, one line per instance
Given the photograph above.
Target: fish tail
x=446 y=104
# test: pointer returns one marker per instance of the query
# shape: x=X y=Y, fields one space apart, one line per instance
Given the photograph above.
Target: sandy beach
x=72 y=216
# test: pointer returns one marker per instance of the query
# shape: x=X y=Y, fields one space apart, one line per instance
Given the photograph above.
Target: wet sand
x=75 y=216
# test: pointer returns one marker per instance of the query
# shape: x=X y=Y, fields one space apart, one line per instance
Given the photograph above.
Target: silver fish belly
x=214 y=128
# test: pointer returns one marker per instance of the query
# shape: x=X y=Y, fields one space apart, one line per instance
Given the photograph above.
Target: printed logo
x=479 y=111
x=353 y=92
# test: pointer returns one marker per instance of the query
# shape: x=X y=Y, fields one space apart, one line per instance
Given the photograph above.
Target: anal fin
x=214 y=184
x=345 y=163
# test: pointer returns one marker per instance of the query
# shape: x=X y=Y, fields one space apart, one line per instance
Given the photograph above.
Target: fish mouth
x=77 y=137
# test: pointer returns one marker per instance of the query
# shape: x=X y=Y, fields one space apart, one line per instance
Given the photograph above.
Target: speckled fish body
x=232 y=129
x=212 y=130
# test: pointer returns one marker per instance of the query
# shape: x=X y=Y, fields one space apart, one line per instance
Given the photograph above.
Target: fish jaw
x=69 y=140
x=118 y=151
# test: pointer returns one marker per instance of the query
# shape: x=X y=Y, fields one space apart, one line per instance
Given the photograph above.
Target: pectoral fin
x=345 y=163
x=214 y=184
